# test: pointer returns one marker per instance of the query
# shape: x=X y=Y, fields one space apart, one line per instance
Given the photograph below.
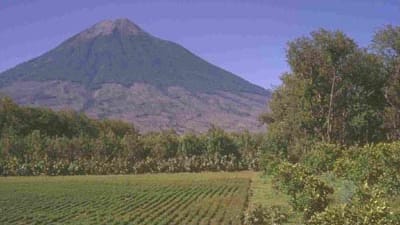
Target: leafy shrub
x=270 y=163
x=376 y=165
x=308 y=194
x=219 y=142
x=259 y=215
x=361 y=211
x=191 y=144
x=321 y=158
x=161 y=145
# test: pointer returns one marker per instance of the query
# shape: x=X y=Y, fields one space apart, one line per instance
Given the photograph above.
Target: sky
x=246 y=37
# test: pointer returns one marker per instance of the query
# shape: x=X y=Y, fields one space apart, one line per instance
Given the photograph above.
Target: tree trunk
x=330 y=110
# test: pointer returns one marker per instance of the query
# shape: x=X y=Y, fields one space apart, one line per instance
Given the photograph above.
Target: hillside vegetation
x=37 y=141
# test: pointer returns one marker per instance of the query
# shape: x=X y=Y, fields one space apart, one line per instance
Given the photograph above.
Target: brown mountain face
x=116 y=70
x=107 y=27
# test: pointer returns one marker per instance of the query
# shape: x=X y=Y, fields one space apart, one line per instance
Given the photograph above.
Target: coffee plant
x=260 y=215
x=307 y=193
x=361 y=211
x=376 y=165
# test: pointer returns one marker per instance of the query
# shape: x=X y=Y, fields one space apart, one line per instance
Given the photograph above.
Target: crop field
x=202 y=198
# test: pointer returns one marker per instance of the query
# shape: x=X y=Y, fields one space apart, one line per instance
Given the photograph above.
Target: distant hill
x=115 y=69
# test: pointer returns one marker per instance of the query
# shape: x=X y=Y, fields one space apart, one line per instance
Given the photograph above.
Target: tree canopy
x=336 y=92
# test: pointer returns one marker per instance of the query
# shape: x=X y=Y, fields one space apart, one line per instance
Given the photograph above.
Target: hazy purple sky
x=247 y=38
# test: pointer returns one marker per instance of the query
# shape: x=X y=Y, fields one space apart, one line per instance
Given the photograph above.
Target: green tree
x=161 y=145
x=386 y=44
x=219 y=142
x=133 y=147
x=34 y=147
x=334 y=93
x=191 y=144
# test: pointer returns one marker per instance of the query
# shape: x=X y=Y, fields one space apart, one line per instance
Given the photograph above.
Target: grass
x=203 y=198
x=343 y=189
x=263 y=193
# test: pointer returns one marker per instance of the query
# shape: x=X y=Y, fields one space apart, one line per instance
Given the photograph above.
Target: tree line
x=38 y=141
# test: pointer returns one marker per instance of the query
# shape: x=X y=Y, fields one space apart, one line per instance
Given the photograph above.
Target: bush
x=219 y=142
x=162 y=145
x=307 y=193
x=373 y=210
x=375 y=165
x=321 y=158
x=259 y=215
x=270 y=163
x=191 y=145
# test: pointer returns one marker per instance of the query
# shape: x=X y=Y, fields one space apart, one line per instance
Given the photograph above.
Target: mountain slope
x=115 y=69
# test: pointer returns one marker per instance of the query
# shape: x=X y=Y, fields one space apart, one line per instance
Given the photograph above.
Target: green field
x=202 y=198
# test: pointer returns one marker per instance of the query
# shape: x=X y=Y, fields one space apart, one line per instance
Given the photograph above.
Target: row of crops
x=208 y=198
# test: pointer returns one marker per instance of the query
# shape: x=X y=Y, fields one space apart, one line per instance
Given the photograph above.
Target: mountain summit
x=116 y=69
x=108 y=27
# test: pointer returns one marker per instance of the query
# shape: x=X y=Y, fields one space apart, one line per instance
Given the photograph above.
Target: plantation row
x=121 y=166
x=38 y=141
x=151 y=199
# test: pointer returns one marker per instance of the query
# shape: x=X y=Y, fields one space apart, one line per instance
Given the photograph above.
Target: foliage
x=386 y=44
x=218 y=142
x=362 y=211
x=191 y=144
x=259 y=215
x=87 y=146
x=202 y=198
x=333 y=93
x=375 y=165
x=336 y=98
x=24 y=120
x=321 y=158
x=308 y=194
x=270 y=163
x=161 y=145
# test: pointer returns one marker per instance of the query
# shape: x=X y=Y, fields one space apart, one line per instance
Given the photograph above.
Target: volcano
x=115 y=69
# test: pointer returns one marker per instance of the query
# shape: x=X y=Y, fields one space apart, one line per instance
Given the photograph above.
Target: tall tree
x=386 y=44
x=333 y=93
